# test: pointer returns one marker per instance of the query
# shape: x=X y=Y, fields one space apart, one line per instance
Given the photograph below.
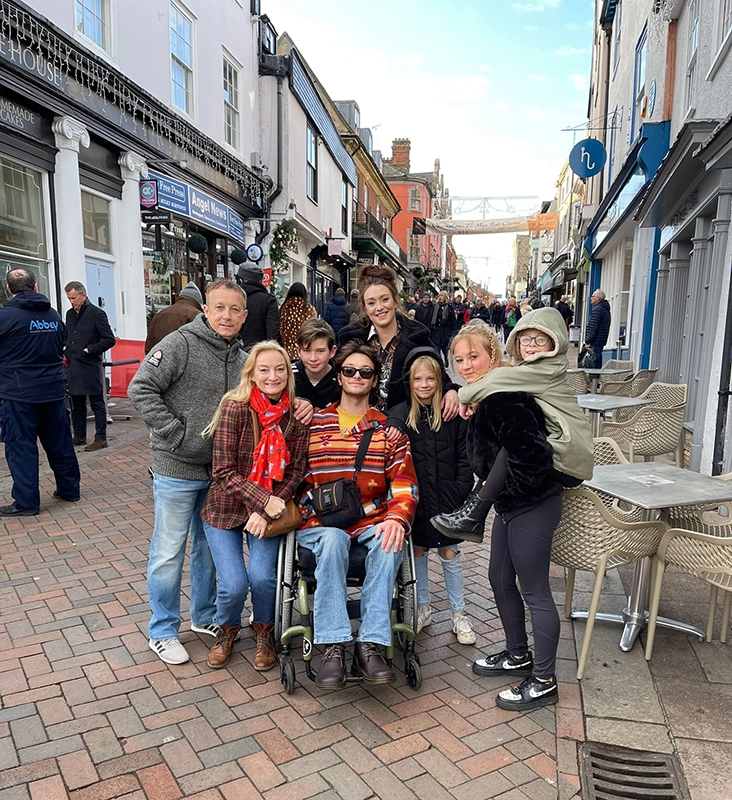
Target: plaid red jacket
x=232 y=496
x=387 y=481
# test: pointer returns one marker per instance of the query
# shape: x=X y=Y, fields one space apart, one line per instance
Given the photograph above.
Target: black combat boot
x=467 y=522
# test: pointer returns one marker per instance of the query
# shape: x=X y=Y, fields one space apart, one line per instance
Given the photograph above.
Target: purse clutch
x=291 y=518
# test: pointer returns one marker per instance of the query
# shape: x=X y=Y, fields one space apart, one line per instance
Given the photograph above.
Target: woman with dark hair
x=392 y=335
x=294 y=311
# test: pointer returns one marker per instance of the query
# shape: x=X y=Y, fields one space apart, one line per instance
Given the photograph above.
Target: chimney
x=400 y=152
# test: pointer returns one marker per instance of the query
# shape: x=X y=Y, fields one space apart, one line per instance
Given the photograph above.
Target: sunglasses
x=364 y=372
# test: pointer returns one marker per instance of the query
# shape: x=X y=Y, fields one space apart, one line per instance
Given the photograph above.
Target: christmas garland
x=284 y=240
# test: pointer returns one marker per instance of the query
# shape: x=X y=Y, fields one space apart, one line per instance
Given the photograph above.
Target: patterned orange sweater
x=387 y=481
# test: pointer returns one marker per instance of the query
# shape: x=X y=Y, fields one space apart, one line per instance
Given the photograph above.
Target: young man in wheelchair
x=388 y=499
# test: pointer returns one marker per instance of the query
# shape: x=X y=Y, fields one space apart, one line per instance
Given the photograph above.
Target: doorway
x=100 y=288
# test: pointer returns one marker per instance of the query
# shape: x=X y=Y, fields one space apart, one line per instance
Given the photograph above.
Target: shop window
x=344 y=206
x=95 y=216
x=692 y=50
x=415 y=200
x=92 y=20
x=22 y=224
x=413 y=246
x=312 y=165
x=181 y=60
x=231 y=104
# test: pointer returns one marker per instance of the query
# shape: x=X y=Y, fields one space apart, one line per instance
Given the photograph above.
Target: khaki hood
x=547 y=320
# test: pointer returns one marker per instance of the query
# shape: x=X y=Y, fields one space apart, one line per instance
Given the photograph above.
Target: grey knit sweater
x=177 y=390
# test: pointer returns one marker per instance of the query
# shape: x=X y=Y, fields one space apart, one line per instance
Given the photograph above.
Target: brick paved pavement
x=88 y=712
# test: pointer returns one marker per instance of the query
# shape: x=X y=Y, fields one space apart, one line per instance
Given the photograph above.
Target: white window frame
x=105 y=50
x=722 y=38
x=415 y=199
x=639 y=82
x=104 y=255
x=177 y=8
x=617 y=29
x=414 y=247
x=311 y=163
x=230 y=107
x=344 y=206
x=692 y=58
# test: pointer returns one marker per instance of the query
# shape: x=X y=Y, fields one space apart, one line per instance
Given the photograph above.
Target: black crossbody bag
x=338 y=503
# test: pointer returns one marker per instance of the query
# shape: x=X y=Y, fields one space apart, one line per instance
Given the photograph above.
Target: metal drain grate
x=617 y=773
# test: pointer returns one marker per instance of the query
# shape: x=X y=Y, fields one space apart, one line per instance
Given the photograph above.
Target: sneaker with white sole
x=463 y=629
x=212 y=629
x=532 y=693
x=424 y=617
x=171 y=651
x=503 y=663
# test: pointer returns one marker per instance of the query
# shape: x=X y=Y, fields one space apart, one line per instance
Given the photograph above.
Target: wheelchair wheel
x=287 y=674
x=412 y=670
x=285 y=595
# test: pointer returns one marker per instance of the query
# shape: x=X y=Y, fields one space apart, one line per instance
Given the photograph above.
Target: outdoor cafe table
x=595 y=374
x=597 y=403
x=652 y=486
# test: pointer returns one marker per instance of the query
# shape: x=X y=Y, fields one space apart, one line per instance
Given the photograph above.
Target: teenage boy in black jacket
x=315 y=377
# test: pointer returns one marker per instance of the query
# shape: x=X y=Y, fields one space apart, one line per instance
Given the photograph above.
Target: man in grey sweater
x=176 y=391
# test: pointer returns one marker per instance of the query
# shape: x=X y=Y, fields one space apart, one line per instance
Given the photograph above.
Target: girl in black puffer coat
x=445 y=480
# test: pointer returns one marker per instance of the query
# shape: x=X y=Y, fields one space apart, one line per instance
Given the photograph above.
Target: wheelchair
x=295 y=587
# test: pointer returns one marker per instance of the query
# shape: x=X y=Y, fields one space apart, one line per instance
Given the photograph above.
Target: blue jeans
x=598 y=356
x=21 y=426
x=227 y=549
x=177 y=509
x=453 y=572
x=331 y=623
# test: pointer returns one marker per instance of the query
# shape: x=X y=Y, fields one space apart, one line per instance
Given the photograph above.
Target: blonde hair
x=243 y=391
x=416 y=407
x=478 y=332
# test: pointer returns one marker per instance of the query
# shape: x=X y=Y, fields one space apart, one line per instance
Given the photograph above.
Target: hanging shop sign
x=188 y=201
x=587 y=158
x=148 y=193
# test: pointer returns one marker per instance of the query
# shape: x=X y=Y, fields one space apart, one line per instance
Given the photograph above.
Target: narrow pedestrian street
x=89 y=713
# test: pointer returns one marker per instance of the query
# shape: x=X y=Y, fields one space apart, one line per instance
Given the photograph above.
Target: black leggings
x=522 y=548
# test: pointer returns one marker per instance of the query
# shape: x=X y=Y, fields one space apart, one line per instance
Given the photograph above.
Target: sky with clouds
x=486 y=86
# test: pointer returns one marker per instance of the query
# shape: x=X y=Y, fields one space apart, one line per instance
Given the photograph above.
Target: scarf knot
x=271 y=455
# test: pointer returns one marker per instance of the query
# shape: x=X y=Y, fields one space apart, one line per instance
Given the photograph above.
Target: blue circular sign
x=255 y=253
x=587 y=158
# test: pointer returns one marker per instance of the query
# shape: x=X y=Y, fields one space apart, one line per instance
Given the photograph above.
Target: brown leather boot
x=265 y=656
x=220 y=653
x=369 y=664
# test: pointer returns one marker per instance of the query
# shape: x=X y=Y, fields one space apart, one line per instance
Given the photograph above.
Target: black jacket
x=335 y=313
x=440 y=460
x=598 y=328
x=263 y=316
x=423 y=314
x=31 y=350
x=88 y=328
x=413 y=334
x=323 y=393
x=444 y=326
x=513 y=420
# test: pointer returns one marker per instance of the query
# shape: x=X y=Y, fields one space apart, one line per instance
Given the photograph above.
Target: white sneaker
x=171 y=651
x=212 y=629
x=463 y=629
x=424 y=617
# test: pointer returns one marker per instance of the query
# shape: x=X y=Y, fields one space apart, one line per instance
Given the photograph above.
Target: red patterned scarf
x=271 y=455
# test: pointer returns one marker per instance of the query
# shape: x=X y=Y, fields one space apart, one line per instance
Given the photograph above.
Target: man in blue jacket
x=32 y=390
x=598 y=328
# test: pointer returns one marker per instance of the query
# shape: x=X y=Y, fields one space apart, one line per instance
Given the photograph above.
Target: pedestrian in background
x=262 y=318
x=598 y=328
x=335 y=312
x=511 y=316
x=88 y=337
x=185 y=309
x=32 y=393
x=352 y=307
x=294 y=311
x=442 y=325
x=423 y=312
